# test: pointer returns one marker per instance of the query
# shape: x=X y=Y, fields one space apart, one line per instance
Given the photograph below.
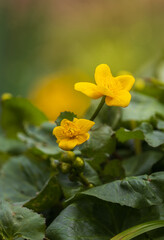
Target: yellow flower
x=116 y=89
x=55 y=94
x=72 y=133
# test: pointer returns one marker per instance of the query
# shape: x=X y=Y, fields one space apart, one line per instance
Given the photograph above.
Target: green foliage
x=99 y=146
x=135 y=192
x=65 y=115
x=141 y=163
x=16 y=111
x=17 y=221
x=95 y=219
x=138 y=230
x=142 y=108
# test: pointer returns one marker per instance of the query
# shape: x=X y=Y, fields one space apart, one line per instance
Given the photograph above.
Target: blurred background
x=47 y=46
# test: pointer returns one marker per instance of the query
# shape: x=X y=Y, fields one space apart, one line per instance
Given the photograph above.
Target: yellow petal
x=68 y=144
x=126 y=81
x=64 y=122
x=59 y=132
x=82 y=138
x=89 y=89
x=83 y=124
x=103 y=75
x=122 y=99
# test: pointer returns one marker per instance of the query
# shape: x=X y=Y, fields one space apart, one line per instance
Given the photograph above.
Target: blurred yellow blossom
x=116 y=89
x=55 y=94
x=72 y=133
x=6 y=96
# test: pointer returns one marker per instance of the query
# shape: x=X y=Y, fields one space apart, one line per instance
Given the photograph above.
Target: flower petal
x=103 y=75
x=82 y=138
x=83 y=124
x=126 y=81
x=68 y=144
x=89 y=89
x=64 y=122
x=59 y=132
x=122 y=99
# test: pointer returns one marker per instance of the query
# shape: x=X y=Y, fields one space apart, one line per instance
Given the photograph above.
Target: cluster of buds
x=74 y=166
x=71 y=164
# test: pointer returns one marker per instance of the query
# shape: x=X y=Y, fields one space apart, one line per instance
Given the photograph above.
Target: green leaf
x=113 y=171
x=154 y=138
x=24 y=181
x=142 y=163
x=138 y=230
x=142 y=108
x=100 y=144
x=21 y=179
x=135 y=192
x=40 y=139
x=65 y=115
x=91 y=218
x=11 y=146
x=70 y=188
x=84 y=220
x=145 y=132
x=124 y=135
x=160 y=124
x=16 y=221
x=16 y=111
x=46 y=198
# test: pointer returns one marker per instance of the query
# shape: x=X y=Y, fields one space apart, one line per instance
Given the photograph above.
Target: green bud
x=65 y=167
x=68 y=156
x=90 y=185
x=78 y=163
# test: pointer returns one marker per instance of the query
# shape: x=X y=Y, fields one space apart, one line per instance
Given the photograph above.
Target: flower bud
x=65 y=167
x=78 y=163
x=68 y=156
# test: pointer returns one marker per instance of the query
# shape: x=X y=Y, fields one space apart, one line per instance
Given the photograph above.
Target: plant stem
x=98 y=108
x=137 y=142
x=84 y=180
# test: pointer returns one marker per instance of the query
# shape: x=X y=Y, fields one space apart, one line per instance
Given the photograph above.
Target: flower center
x=112 y=88
x=71 y=130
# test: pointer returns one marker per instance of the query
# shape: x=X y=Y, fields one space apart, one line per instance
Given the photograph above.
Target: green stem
x=98 y=108
x=137 y=142
x=84 y=180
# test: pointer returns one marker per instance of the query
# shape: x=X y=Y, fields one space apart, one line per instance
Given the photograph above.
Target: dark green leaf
x=91 y=218
x=11 y=146
x=142 y=163
x=99 y=146
x=65 y=115
x=46 y=198
x=71 y=188
x=16 y=221
x=136 y=192
x=142 y=108
x=154 y=138
x=16 y=111
x=41 y=139
x=124 y=135
x=113 y=170
x=86 y=219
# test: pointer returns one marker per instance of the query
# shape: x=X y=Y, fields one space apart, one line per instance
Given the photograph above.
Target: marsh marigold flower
x=72 y=133
x=58 y=89
x=116 y=89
